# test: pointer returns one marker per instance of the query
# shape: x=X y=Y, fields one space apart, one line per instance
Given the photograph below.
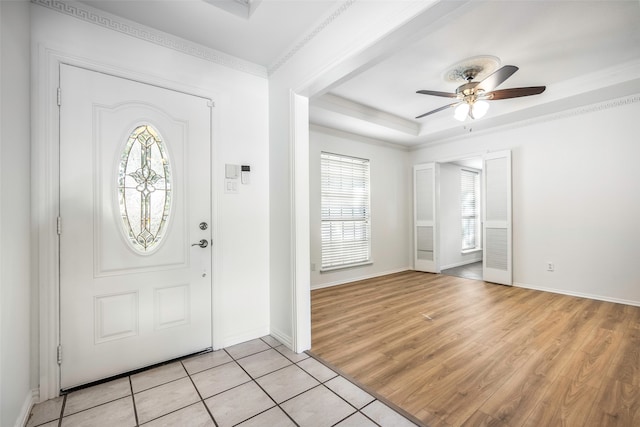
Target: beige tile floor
x=259 y=383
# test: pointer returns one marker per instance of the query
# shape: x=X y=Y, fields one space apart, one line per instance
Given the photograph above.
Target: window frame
x=475 y=216
x=344 y=224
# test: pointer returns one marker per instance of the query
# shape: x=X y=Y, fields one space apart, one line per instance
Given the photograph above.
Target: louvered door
x=425 y=217
x=496 y=263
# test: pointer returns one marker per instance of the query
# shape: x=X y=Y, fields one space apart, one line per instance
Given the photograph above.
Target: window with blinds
x=469 y=209
x=345 y=228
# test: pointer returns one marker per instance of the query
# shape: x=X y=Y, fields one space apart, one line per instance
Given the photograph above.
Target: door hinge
x=60 y=355
x=59 y=97
x=59 y=226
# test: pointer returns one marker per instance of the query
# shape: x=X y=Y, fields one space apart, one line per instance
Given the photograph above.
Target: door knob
x=202 y=243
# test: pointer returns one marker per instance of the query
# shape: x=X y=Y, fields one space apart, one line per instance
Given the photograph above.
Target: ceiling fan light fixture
x=480 y=108
x=471 y=95
x=461 y=112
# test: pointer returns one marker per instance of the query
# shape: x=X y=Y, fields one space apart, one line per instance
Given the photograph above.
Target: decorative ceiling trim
x=573 y=112
x=339 y=133
x=241 y=8
x=142 y=32
x=357 y=111
x=310 y=36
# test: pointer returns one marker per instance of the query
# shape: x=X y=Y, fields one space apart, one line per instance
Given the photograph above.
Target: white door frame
x=502 y=279
x=300 y=228
x=45 y=146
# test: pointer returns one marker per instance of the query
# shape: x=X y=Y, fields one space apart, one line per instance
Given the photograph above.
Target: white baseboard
x=355 y=279
x=30 y=400
x=459 y=264
x=282 y=337
x=577 y=294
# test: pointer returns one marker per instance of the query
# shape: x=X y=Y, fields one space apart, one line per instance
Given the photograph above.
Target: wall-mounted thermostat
x=245 y=174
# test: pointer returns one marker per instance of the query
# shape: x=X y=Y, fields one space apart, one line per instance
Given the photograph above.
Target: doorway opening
x=459 y=206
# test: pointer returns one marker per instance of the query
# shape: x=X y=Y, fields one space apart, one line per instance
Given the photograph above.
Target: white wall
x=240 y=136
x=451 y=220
x=15 y=292
x=390 y=206
x=576 y=198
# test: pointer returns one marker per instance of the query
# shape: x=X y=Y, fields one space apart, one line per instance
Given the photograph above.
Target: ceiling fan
x=471 y=96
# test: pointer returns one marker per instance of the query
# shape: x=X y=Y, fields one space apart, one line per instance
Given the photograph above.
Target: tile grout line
x=276 y=370
x=133 y=401
x=250 y=354
x=199 y=395
x=277 y=405
x=88 y=408
x=64 y=403
x=357 y=410
x=365 y=415
x=349 y=403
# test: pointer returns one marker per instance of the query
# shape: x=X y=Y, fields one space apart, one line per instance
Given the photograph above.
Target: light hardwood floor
x=453 y=351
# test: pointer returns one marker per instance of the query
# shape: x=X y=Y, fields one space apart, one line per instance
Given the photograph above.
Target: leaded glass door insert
x=144 y=189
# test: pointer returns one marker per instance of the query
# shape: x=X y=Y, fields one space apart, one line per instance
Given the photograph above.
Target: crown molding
x=142 y=32
x=309 y=36
x=357 y=111
x=338 y=133
x=573 y=112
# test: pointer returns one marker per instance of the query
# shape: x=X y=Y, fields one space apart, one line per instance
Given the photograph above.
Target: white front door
x=135 y=195
x=425 y=237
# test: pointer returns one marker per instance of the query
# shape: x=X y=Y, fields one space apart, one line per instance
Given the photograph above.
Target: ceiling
x=584 y=52
x=272 y=29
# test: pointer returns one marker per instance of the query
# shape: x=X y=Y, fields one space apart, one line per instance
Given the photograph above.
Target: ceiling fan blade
x=515 y=92
x=436 y=93
x=497 y=78
x=439 y=109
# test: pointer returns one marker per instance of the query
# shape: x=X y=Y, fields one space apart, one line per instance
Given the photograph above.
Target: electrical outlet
x=313 y=266
x=550 y=266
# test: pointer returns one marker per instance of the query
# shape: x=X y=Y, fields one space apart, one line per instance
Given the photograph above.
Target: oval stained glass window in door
x=144 y=189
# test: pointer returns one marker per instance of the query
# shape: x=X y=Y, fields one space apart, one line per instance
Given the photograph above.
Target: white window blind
x=469 y=209
x=344 y=205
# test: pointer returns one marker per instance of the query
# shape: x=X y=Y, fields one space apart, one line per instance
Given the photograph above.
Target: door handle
x=202 y=243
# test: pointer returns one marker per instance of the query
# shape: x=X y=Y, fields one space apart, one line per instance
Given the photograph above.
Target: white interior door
x=496 y=264
x=135 y=185
x=425 y=217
